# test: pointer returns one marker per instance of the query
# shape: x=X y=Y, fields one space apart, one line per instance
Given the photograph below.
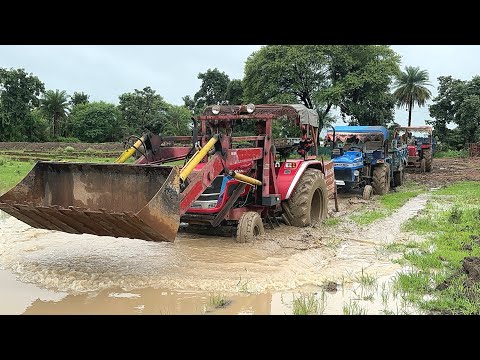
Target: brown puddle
x=87 y=274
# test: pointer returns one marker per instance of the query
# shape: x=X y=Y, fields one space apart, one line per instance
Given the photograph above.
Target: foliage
x=216 y=88
x=353 y=78
x=55 y=105
x=177 y=121
x=96 y=122
x=143 y=110
x=19 y=94
x=411 y=89
x=212 y=90
x=79 y=98
x=41 y=126
x=67 y=139
x=457 y=102
x=234 y=92
x=451 y=154
x=69 y=149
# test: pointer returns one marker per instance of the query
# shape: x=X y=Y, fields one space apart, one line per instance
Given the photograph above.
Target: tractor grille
x=343 y=174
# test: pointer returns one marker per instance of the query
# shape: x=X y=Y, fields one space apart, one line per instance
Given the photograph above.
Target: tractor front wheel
x=367 y=192
x=399 y=176
x=249 y=227
x=381 y=179
x=309 y=200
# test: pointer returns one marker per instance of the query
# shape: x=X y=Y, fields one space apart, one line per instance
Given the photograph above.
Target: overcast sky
x=106 y=71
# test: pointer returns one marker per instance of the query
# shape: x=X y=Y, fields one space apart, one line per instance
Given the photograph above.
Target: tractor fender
x=288 y=177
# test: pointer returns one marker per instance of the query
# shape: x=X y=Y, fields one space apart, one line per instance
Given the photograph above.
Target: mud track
x=285 y=259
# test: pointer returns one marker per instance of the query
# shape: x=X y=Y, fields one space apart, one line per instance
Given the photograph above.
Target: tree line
x=362 y=83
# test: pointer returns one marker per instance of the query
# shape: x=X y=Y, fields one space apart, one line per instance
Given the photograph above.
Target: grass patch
x=366 y=280
x=309 y=304
x=332 y=222
x=397 y=199
x=388 y=204
x=368 y=217
x=11 y=172
x=354 y=308
x=467 y=192
x=438 y=283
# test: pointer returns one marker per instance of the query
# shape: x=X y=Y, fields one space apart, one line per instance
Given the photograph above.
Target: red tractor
x=225 y=180
x=420 y=144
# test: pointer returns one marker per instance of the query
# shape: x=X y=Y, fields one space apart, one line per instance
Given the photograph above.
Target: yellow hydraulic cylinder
x=127 y=153
x=244 y=178
x=188 y=168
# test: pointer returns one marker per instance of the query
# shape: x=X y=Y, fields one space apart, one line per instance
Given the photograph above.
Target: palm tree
x=411 y=89
x=55 y=106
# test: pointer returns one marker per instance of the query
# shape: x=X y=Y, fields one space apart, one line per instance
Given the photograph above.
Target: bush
x=67 y=139
x=90 y=151
x=69 y=149
x=451 y=154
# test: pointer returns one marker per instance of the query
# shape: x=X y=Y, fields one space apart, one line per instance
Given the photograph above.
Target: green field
x=451 y=223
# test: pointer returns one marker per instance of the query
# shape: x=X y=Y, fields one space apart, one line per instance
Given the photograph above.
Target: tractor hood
x=349 y=159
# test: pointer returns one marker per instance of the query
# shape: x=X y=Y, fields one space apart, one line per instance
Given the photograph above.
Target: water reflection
x=155 y=301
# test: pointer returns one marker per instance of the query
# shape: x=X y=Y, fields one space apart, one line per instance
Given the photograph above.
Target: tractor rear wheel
x=249 y=227
x=381 y=179
x=423 y=165
x=427 y=154
x=398 y=177
x=309 y=200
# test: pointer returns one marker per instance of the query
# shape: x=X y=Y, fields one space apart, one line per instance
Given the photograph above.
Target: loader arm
x=199 y=181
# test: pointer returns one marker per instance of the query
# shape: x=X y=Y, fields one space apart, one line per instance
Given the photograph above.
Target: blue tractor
x=363 y=159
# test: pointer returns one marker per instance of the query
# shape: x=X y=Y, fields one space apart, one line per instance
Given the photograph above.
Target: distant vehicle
x=362 y=159
x=420 y=144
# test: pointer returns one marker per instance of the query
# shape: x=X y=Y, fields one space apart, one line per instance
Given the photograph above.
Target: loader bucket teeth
x=120 y=200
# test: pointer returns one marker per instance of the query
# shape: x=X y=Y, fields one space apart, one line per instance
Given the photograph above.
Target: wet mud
x=344 y=266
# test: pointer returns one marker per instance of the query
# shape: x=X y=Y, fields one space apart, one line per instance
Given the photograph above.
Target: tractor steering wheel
x=352 y=148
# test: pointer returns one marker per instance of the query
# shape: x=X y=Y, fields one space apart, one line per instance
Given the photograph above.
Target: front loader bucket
x=120 y=200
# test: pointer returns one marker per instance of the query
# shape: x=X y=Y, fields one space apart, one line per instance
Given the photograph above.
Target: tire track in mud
x=284 y=259
x=360 y=251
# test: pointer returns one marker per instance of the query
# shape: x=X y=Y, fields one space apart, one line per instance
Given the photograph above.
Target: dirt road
x=64 y=273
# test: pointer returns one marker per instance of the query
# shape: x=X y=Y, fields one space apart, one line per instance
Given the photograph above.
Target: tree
x=213 y=88
x=96 y=122
x=55 y=106
x=353 y=78
x=411 y=89
x=40 y=126
x=177 y=121
x=79 y=98
x=234 y=92
x=143 y=110
x=457 y=102
x=446 y=104
x=19 y=94
x=189 y=103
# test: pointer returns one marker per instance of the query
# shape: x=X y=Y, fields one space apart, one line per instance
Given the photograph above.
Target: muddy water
x=90 y=274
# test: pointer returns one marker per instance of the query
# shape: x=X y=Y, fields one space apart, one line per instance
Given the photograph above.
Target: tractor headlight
x=356 y=173
x=250 y=108
x=216 y=109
